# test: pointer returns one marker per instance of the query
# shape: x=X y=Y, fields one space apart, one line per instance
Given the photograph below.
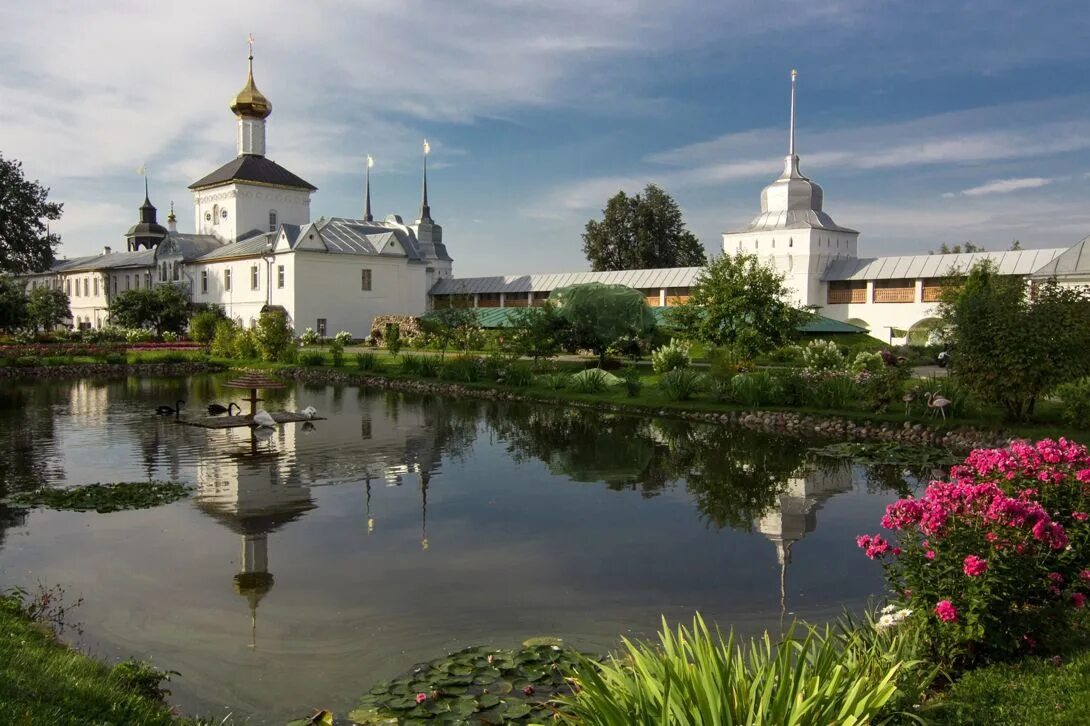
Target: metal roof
x=252 y=247
x=1074 y=262
x=109 y=261
x=191 y=246
x=915 y=267
x=253 y=168
x=655 y=278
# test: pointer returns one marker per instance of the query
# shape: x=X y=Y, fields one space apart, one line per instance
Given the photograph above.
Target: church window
x=215 y=214
x=175 y=272
x=68 y=288
x=115 y=284
x=227 y=279
x=204 y=280
x=280 y=276
x=96 y=287
x=207 y=216
x=128 y=281
x=365 y=280
x=272 y=220
x=255 y=278
x=86 y=288
x=223 y=214
x=136 y=281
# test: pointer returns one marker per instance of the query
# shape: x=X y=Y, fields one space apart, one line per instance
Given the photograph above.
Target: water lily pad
x=546 y=640
x=517 y=709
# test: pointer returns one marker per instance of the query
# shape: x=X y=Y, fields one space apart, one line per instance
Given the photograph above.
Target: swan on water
x=309 y=412
x=262 y=419
x=167 y=410
x=215 y=409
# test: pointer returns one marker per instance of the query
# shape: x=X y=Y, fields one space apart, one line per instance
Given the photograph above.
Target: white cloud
x=1005 y=186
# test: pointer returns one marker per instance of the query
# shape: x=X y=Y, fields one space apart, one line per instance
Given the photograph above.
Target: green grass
x=1031 y=691
x=45 y=682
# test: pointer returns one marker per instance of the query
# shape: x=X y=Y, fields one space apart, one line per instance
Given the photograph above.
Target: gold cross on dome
x=250 y=42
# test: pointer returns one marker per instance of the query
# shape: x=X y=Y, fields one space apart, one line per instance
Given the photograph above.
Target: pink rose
x=930 y=554
x=974 y=566
x=1078 y=600
x=421 y=697
x=946 y=611
x=1081 y=516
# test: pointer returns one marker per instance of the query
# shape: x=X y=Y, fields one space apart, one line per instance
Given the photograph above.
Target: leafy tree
x=26 y=244
x=161 y=308
x=641 y=232
x=274 y=336
x=202 y=326
x=598 y=315
x=450 y=325
x=740 y=304
x=538 y=331
x=47 y=307
x=945 y=249
x=13 y=304
x=1010 y=345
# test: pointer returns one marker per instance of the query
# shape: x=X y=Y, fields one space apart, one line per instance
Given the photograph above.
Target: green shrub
x=27 y=361
x=223 y=339
x=202 y=326
x=694 y=677
x=343 y=337
x=273 y=335
x=1075 y=400
x=170 y=336
x=787 y=354
x=288 y=355
x=517 y=374
x=721 y=390
x=831 y=389
x=633 y=384
x=244 y=345
x=139 y=335
x=366 y=361
x=822 y=355
x=336 y=353
x=756 y=388
x=869 y=362
x=410 y=364
x=681 y=384
x=467 y=369
x=430 y=366
x=494 y=366
x=554 y=380
x=671 y=356
x=963 y=400
x=393 y=338
x=311 y=358
x=884 y=387
x=592 y=380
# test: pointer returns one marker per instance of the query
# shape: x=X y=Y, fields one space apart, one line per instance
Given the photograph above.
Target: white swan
x=262 y=419
x=309 y=412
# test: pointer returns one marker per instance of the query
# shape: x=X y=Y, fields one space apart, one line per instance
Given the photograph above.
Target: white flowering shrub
x=822 y=355
x=671 y=356
x=309 y=337
x=343 y=337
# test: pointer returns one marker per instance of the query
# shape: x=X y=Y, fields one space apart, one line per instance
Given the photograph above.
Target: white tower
x=792 y=232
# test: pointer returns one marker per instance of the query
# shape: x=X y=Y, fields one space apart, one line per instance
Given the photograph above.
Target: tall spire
x=791 y=139
x=425 y=210
x=367 y=194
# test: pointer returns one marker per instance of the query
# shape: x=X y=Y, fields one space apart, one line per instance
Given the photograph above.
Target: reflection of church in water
x=794 y=514
x=255 y=485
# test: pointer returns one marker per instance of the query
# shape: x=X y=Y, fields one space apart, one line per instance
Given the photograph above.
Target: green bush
x=429 y=366
x=202 y=326
x=869 y=362
x=336 y=353
x=410 y=364
x=170 y=336
x=244 y=345
x=787 y=354
x=633 y=384
x=223 y=339
x=309 y=337
x=467 y=369
x=671 y=356
x=494 y=366
x=366 y=361
x=27 y=361
x=1075 y=400
x=831 y=389
x=393 y=338
x=592 y=380
x=681 y=384
x=721 y=390
x=273 y=335
x=517 y=374
x=756 y=388
x=139 y=335
x=343 y=337
x=554 y=380
x=822 y=355
x=814 y=676
x=884 y=387
x=311 y=358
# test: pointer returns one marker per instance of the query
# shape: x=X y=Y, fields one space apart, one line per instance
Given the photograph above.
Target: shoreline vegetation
x=386 y=370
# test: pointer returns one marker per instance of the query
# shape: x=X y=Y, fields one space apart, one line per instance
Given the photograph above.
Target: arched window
x=272 y=220
x=215 y=214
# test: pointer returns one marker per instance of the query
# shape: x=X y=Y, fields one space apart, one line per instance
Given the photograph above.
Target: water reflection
x=322 y=556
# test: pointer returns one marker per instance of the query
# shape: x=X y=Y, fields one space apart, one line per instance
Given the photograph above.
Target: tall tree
x=162 y=308
x=13 y=315
x=26 y=244
x=47 y=307
x=598 y=315
x=740 y=304
x=641 y=232
x=1010 y=345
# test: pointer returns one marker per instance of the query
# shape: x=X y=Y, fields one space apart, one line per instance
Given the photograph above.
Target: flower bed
x=41 y=350
x=996 y=559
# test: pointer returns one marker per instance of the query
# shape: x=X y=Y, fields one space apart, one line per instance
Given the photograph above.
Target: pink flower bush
x=1017 y=514
x=974 y=566
x=946 y=611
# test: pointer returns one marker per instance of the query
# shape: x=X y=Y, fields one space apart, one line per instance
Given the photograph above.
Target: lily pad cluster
x=476 y=685
x=888 y=452
x=106 y=497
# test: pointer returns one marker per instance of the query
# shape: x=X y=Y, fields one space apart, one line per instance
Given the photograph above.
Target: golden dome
x=250 y=102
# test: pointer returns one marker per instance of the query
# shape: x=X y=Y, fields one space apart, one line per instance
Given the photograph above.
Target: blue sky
x=925 y=122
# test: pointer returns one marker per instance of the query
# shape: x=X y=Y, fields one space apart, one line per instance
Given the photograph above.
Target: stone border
x=786 y=422
x=108 y=370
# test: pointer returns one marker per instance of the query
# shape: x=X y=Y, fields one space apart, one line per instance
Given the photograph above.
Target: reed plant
x=681 y=384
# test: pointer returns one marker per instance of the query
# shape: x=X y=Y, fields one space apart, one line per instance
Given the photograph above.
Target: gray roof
x=1074 y=262
x=915 y=267
x=794 y=219
x=249 y=247
x=253 y=168
x=191 y=246
x=111 y=261
x=655 y=278
x=341 y=235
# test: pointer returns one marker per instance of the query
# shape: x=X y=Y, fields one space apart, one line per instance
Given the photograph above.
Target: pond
x=312 y=563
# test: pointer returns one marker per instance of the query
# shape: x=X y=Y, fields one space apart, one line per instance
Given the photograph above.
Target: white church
x=256 y=248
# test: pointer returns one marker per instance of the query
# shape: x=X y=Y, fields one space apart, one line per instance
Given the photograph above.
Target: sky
x=925 y=122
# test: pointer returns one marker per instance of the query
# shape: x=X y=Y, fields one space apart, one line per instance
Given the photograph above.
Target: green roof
x=818 y=324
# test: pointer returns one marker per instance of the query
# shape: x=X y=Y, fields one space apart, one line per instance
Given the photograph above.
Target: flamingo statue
x=937 y=402
x=908 y=398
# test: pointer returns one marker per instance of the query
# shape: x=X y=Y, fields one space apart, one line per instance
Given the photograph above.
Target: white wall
x=242 y=302
x=247 y=207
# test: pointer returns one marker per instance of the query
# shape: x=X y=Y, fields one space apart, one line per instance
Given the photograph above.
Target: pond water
x=331 y=555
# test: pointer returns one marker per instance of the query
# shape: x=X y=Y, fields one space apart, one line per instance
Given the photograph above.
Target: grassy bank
x=43 y=681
